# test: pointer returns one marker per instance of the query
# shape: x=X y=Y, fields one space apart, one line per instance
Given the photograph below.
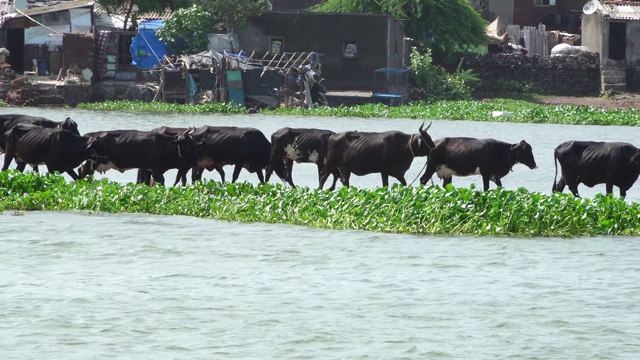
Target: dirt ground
x=612 y=101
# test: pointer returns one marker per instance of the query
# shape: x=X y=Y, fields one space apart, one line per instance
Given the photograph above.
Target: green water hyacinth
x=410 y=210
x=127 y=105
x=522 y=111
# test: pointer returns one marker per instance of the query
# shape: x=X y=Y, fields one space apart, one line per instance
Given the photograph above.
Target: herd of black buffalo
x=33 y=140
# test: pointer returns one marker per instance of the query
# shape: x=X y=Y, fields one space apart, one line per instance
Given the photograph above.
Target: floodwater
x=133 y=286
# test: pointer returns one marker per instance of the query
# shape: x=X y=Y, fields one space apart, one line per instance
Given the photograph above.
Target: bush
x=437 y=83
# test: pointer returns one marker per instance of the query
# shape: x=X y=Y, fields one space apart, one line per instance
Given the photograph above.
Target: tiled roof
x=163 y=15
x=620 y=10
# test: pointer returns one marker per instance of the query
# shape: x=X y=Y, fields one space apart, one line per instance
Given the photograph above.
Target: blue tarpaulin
x=146 y=50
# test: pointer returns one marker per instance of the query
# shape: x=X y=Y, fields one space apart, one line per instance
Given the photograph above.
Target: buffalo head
x=522 y=153
x=635 y=159
x=425 y=144
x=187 y=148
x=69 y=125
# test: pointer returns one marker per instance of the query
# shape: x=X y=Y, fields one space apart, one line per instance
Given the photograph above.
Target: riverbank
x=491 y=110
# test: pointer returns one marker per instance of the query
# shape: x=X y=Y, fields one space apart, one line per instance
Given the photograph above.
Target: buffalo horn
x=426 y=128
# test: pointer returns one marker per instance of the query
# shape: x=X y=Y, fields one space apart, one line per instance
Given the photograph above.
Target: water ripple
x=113 y=287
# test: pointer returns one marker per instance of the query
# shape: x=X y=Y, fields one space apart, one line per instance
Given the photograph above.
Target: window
x=350 y=50
x=277 y=45
x=544 y=2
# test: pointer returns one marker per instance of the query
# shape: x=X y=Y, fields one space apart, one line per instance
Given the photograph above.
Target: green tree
x=131 y=8
x=445 y=26
x=186 y=31
x=436 y=82
x=232 y=14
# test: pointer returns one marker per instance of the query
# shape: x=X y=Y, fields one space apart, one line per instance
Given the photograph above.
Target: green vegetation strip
x=410 y=210
x=522 y=111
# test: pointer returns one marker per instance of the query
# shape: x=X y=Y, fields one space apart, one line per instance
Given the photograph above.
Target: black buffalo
x=60 y=150
x=147 y=150
x=462 y=156
x=227 y=145
x=8 y=121
x=388 y=153
x=592 y=163
x=299 y=145
x=144 y=176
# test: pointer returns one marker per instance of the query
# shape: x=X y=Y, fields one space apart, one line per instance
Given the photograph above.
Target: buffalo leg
x=446 y=181
x=573 y=187
x=260 y=176
x=428 y=172
x=385 y=179
x=344 y=177
x=288 y=172
x=7 y=161
x=498 y=182
x=21 y=165
x=559 y=187
x=35 y=168
x=336 y=175
x=220 y=172
x=485 y=182
x=143 y=177
x=181 y=176
x=324 y=175
x=73 y=174
x=623 y=192
x=236 y=172
x=158 y=177
x=196 y=173
x=609 y=187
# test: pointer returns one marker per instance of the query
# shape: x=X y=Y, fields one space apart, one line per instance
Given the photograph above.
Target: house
x=561 y=15
x=351 y=46
x=612 y=29
x=35 y=35
x=114 y=39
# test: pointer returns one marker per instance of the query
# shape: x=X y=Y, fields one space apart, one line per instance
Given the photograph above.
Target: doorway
x=15 y=45
x=617 y=40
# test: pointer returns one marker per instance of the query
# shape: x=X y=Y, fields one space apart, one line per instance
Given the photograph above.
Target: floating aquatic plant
x=399 y=209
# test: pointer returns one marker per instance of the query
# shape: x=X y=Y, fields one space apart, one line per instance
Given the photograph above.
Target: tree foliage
x=446 y=26
x=186 y=31
x=232 y=13
x=131 y=8
x=436 y=83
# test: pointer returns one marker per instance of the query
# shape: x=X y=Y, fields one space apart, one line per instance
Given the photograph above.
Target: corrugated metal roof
x=54 y=6
x=620 y=10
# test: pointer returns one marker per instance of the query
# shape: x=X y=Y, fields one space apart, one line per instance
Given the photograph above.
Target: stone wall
x=633 y=79
x=571 y=75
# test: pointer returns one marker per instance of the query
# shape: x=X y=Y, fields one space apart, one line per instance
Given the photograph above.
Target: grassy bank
x=410 y=210
x=522 y=111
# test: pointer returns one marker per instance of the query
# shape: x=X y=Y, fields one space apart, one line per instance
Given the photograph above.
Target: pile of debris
x=267 y=79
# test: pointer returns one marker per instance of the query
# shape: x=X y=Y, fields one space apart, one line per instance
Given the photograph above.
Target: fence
x=536 y=39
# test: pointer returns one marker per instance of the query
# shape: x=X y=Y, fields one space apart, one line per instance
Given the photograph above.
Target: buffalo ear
x=636 y=159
